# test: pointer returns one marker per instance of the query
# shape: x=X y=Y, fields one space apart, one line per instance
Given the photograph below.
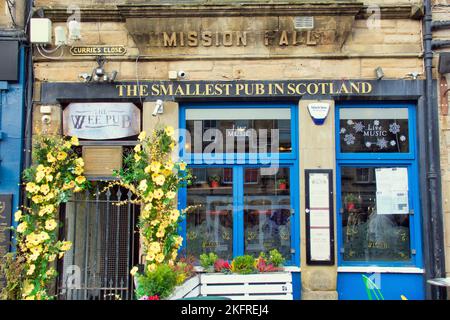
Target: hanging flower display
x=154 y=179
x=56 y=174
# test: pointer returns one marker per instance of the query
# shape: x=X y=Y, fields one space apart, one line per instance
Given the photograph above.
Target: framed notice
x=319 y=214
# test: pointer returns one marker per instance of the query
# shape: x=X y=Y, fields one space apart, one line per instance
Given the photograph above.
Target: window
x=376 y=183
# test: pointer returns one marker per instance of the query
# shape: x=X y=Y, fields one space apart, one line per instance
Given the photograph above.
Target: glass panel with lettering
x=383 y=130
x=210 y=225
x=375 y=214
x=245 y=130
x=267 y=211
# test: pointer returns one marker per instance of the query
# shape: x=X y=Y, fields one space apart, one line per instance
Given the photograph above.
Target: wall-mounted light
x=159 y=108
x=99 y=74
x=379 y=73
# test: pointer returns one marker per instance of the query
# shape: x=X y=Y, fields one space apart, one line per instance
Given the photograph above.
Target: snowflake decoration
x=393 y=143
x=368 y=144
x=359 y=127
x=382 y=143
x=343 y=130
x=376 y=122
x=403 y=138
x=394 y=128
x=349 y=122
x=349 y=139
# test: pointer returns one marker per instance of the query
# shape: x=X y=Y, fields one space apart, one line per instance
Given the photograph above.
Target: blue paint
x=350 y=286
x=236 y=161
x=297 y=285
x=11 y=128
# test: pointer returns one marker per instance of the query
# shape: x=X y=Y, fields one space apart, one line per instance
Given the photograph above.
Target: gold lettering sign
x=98 y=50
x=212 y=89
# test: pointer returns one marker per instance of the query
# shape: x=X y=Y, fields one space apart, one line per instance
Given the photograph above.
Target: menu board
x=319 y=217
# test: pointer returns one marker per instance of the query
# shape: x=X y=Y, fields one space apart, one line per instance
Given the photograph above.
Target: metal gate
x=105 y=245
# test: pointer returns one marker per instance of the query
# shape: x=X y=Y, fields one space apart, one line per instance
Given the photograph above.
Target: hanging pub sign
x=319 y=217
x=98 y=50
x=102 y=121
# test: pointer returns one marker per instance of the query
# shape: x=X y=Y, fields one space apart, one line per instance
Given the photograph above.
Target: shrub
x=276 y=258
x=243 y=265
x=160 y=282
x=222 y=266
x=207 y=261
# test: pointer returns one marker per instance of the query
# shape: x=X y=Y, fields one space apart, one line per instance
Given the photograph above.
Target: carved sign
x=102 y=121
x=98 y=50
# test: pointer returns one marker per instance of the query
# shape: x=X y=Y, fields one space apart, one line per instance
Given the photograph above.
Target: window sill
x=287 y=268
x=411 y=270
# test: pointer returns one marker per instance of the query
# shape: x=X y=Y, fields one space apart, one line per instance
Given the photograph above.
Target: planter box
x=262 y=286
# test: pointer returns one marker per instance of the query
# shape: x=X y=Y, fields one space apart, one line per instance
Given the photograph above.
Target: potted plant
x=282 y=184
x=214 y=181
x=350 y=201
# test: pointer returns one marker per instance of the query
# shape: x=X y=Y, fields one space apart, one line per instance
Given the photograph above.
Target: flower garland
x=154 y=179
x=52 y=180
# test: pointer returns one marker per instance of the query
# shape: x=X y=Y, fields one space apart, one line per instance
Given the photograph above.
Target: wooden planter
x=261 y=286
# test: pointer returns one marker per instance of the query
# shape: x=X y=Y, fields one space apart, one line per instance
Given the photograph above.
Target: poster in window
x=392 y=190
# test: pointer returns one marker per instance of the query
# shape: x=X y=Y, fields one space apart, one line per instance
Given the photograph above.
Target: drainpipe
x=433 y=226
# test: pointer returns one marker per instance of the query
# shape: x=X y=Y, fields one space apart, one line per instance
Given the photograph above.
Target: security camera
x=85 y=77
x=159 y=108
x=182 y=74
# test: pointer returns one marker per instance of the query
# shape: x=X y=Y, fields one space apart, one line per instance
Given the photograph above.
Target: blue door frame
x=286 y=160
x=393 y=286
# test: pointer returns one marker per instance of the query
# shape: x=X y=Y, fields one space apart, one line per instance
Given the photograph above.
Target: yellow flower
x=80 y=179
x=154 y=222
x=79 y=162
x=43 y=236
x=158 y=194
x=74 y=141
x=18 y=215
x=78 y=170
x=22 y=227
x=137 y=148
x=67 y=145
x=50 y=158
x=160 y=233
x=155 y=166
x=66 y=246
x=51 y=224
x=172 y=145
x=31 y=269
x=169 y=165
x=159 y=258
x=143 y=185
x=155 y=247
x=182 y=166
x=50 y=272
x=151 y=267
x=61 y=155
x=142 y=136
x=45 y=189
x=27 y=289
x=147 y=169
x=171 y=195
x=49 y=178
x=150 y=257
x=167 y=172
x=52 y=257
x=137 y=157
x=39 y=176
x=133 y=271
x=169 y=130
x=50 y=196
x=174 y=215
x=46 y=210
x=34 y=256
x=31 y=187
x=178 y=241
x=159 y=180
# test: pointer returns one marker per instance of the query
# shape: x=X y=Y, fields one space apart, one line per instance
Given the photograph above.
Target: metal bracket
x=342 y=250
x=411 y=211
x=292 y=212
x=413 y=251
x=292 y=251
x=443 y=90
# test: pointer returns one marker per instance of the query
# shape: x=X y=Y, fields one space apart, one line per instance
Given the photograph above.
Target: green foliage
x=243 y=264
x=207 y=261
x=276 y=258
x=160 y=282
x=12 y=269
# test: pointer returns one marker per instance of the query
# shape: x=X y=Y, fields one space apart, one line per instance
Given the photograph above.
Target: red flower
x=221 y=265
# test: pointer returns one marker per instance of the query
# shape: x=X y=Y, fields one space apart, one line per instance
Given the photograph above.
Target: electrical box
x=41 y=31
x=444 y=62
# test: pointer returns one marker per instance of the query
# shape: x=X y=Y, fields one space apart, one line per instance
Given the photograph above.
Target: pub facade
x=303 y=124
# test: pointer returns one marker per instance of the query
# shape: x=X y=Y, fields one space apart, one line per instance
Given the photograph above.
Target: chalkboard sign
x=319 y=217
x=5 y=223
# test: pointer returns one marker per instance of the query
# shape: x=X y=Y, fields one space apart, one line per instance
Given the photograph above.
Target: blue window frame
x=239 y=162
x=373 y=160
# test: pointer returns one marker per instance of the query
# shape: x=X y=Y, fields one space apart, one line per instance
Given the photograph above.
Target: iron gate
x=104 y=246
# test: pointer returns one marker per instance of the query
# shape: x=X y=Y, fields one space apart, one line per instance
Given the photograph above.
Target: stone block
x=319 y=295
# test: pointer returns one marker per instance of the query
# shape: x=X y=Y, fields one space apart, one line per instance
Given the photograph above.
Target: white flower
x=376 y=122
x=403 y=138
x=394 y=128
x=359 y=127
x=349 y=139
x=349 y=122
x=393 y=143
x=382 y=143
x=343 y=130
x=368 y=144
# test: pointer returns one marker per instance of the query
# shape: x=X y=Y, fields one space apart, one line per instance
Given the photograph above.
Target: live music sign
x=102 y=121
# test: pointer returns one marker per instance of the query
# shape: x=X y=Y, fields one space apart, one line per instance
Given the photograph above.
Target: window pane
x=210 y=224
x=374 y=130
x=368 y=236
x=267 y=211
x=239 y=130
